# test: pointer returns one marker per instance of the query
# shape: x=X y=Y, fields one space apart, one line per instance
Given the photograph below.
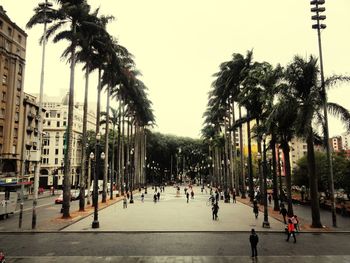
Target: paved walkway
x=172 y=213
x=186 y=259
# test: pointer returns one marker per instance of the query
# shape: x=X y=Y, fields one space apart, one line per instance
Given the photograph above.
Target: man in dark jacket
x=254 y=239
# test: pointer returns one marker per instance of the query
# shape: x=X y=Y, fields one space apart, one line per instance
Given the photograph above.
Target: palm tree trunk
x=286 y=151
x=97 y=151
x=119 y=151
x=84 y=142
x=123 y=166
x=315 y=205
x=243 y=187
x=250 y=162
x=106 y=160
x=69 y=137
x=274 y=174
x=113 y=160
x=261 y=178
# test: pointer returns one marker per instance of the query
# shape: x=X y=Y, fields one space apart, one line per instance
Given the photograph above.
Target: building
x=336 y=144
x=12 y=64
x=53 y=142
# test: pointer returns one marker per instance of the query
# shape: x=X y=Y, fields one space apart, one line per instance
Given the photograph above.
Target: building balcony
x=31 y=115
x=30 y=129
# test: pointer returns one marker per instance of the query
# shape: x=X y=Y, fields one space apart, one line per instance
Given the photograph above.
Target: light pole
x=95 y=223
x=91 y=158
x=318 y=26
x=266 y=223
x=131 y=176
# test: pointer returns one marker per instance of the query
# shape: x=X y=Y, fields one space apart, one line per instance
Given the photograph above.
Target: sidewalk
x=304 y=214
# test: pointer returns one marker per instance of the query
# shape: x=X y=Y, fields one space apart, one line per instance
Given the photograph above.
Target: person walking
x=217 y=197
x=142 y=197
x=284 y=212
x=155 y=198
x=295 y=222
x=291 y=230
x=256 y=209
x=187 y=196
x=215 y=210
x=125 y=202
x=270 y=198
x=254 y=240
x=192 y=194
x=158 y=196
x=234 y=196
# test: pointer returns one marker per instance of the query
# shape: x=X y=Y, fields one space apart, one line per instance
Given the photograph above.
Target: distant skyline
x=178 y=45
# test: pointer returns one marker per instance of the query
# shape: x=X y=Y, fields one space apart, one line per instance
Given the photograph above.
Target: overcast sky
x=179 y=44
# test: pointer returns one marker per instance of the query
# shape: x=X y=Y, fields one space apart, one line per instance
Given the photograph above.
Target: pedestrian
x=234 y=196
x=125 y=202
x=142 y=197
x=158 y=196
x=283 y=211
x=155 y=198
x=215 y=210
x=295 y=221
x=217 y=196
x=254 y=240
x=127 y=195
x=291 y=230
x=256 y=209
x=192 y=194
x=270 y=198
x=187 y=196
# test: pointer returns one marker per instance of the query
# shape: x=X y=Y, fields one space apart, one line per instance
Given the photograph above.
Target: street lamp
x=131 y=176
x=95 y=223
x=317 y=8
x=91 y=158
x=266 y=223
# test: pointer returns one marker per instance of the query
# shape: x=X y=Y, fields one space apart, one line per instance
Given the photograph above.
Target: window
x=56 y=151
x=56 y=160
x=58 y=115
x=1 y=23
x=6 y=64
x=4 y=79
x=15 y=132
x=3 y=96
x=58 y=124
x=19 y=38
x=20 y=70
x=9 y=31
x=53 y=113
x=1 y=130
x=64 y=123
x=17 y=100
x=2 y=113
x=49 y=123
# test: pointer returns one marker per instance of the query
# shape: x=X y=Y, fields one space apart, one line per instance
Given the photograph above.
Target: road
x=46 y=210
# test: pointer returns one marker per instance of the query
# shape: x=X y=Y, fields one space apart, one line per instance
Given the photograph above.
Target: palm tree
x=304 y=86
x=72 y=12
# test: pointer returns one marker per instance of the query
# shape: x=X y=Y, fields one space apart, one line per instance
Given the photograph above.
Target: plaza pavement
x=172 y=213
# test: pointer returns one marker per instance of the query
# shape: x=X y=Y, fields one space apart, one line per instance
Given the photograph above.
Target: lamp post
x=95 y=223
x=111 y=173
x=91 y=158
x=131 y=175
x=318 y=26
x=266 y=223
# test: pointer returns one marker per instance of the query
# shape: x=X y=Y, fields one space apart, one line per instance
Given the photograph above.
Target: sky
x=179 y=44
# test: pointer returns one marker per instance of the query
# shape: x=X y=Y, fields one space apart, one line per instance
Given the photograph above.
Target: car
x=59 y=200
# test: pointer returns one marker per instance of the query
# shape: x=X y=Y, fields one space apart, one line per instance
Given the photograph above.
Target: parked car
x=59 y=200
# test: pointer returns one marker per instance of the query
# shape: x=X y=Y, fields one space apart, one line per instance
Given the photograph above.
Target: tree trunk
x=97 y=150
x=286 y=150
x=69 y=136
x=84 y=142
x=106 y=160
x=315 y=205
x=243 y=187
x=250 y=162
x=261 y=178
x=274 y=174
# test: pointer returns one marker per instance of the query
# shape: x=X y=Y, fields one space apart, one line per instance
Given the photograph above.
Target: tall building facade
x=54 y=141
x=12 y=64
